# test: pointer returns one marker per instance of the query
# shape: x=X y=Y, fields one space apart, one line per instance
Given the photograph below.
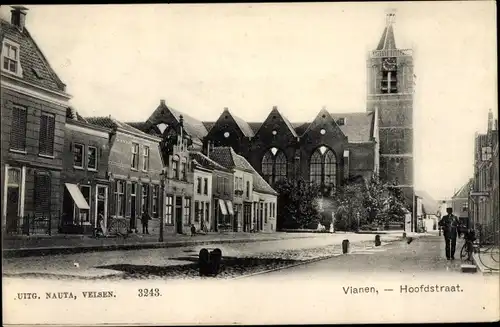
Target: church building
x=378 y=139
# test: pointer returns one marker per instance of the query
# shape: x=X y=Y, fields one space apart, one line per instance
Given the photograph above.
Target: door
x=102 y=206
x=247 y=216
x=133 y=205
x=12 y=209
x=178 y=213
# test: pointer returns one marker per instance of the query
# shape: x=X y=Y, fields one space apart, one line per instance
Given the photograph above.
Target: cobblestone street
x=238 y=258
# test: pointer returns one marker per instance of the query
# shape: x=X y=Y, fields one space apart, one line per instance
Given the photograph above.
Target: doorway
x=247 y=216
x=101 y=206
x=178 y=213
x=133 y=206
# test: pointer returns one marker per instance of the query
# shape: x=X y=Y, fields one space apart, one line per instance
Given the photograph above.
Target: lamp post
x=162 y=192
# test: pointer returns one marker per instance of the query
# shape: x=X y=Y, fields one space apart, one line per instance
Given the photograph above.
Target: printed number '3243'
x=148 y=292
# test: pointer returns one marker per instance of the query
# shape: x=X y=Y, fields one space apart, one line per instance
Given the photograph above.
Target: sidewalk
x=487 y=260
x=64 y=244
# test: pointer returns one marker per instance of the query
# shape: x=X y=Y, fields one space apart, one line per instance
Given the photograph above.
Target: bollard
x=377 y=240
x=345 y=246
x=204 y=262
x=404 y=235
x=215 y=259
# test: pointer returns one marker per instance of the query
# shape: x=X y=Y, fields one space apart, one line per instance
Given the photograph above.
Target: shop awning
x=230 y=207
x=222 y=206
x=77 y=196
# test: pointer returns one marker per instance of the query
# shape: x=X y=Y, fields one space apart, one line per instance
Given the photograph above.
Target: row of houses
x=64 y=173
x=477 y=201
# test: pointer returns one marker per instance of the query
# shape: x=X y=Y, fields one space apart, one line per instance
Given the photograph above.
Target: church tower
x=390 y=91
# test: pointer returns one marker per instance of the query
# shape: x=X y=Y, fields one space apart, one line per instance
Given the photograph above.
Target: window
x=205 y=186
x=10 y=58
x=323 y=168
x=202 y=204
x=183 y=171
x=42 y=195
x=78 y=155
x=120 y=198
x=187 y=211
x=465 y=206
x=198 y=185
x=196 y=211
x=389 y=82
x=46 y=135
x=135 y=156
x=274 y=165
x=175 y=169
x=248 y=189
x=145 y=198
x=18 y=129
x=486 y=153
x=92 y=158
x=155 y=200
x=169 y=200
x=226 y=185
x=145 y=158
x=207 y=211
x=265 y=213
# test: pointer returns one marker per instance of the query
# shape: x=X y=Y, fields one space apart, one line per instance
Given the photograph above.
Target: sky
x=120 y=60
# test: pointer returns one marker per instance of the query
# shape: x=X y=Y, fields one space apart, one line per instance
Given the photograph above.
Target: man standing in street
x=449 y=224
x=145 y=220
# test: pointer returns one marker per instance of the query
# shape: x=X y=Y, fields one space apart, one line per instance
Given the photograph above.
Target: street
x=393 y=283
x=239 y=258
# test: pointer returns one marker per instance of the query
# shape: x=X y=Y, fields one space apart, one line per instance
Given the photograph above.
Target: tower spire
x=388 y=41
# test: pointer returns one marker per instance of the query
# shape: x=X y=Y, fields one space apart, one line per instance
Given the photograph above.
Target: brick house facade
x=33 y=109
x=84 y=175
x=134 y=171
x=483 y=199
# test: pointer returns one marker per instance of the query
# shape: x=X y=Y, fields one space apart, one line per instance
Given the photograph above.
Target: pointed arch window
x=274 y=165
x=323 y=167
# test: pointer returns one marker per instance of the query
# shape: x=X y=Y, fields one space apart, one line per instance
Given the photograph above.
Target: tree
x=376 y=198
x=297 y=206
x=351 y=212
x=396 y=207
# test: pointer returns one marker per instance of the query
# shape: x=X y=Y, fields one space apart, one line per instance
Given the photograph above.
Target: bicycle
x=468 y=247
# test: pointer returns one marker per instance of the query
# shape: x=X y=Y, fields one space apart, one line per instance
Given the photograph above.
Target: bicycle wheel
x=118 y=227
x=464 y=252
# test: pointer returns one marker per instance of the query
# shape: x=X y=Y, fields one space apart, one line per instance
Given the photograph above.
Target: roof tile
x=35 y=67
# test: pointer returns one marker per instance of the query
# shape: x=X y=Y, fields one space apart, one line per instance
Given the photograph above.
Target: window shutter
x=46 y=134
x=42 y=195
x=150 y=199
x=18 y=129
x=112 y=199
x=128 y=199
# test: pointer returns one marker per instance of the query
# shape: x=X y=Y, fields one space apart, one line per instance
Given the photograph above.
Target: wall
x=31 y=160
x=202 y=197
x=86 y=135
x=264 y=198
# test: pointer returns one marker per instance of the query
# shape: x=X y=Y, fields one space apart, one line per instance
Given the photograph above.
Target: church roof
x=358 y=126
x=242 y=124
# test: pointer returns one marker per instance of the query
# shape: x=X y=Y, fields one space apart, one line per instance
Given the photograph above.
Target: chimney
x=162 y=102
x=18 y=17
x=275 y=107
x=490 y=120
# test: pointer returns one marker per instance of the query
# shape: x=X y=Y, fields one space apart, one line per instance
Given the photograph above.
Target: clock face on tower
x=389 y=64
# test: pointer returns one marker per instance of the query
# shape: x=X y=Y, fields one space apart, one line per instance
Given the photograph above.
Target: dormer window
x=10 y=58
x=341 y=121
